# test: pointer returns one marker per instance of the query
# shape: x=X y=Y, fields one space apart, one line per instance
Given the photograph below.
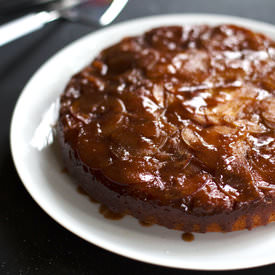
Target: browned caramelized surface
x=184 y=117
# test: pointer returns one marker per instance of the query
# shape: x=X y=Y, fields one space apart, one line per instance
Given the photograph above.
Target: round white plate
x=54 y=191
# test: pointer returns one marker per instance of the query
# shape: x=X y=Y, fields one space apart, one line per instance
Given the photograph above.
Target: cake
x=176 y=127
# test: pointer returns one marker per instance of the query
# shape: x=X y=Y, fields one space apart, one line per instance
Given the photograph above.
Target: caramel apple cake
x=177 y=127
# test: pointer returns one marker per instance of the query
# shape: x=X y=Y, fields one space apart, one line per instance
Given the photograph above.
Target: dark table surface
x=30 y=241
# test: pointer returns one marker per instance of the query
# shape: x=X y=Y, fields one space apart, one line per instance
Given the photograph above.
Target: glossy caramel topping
x=183 y=116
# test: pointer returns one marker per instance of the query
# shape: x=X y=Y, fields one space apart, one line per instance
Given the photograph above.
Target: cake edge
x=96 y=185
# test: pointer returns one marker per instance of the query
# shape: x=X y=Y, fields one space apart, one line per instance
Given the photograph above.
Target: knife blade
x=34 y=21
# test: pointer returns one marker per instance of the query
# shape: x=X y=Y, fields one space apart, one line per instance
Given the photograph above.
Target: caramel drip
x=64 y=170
x=188 y=237
x=109 y=214
x=147 y=224
x=81 y=191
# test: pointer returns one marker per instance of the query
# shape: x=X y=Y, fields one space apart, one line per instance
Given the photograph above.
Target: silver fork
x=71 y=10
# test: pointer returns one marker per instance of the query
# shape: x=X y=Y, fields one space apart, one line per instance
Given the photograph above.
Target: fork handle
x=25 y=25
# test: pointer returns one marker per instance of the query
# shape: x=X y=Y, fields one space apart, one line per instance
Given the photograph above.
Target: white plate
x=55 y=192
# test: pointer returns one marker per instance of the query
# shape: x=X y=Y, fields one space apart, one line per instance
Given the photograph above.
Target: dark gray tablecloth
x=30 y=241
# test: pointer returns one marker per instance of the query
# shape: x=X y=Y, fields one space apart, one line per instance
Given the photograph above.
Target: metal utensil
x=62 y=9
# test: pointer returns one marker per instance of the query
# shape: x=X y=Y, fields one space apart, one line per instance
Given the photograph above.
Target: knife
x=34 y=21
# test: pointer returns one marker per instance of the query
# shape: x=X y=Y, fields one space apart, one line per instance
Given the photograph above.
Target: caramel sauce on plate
x=81 y=191
x=64 y=170
x=103 y=210
x=188 y=237
x=108 y=214
x=146 y=224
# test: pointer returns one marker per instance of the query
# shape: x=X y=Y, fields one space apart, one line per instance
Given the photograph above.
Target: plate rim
x=166 y=17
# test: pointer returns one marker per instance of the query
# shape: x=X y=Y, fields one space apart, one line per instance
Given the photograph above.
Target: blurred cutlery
x=67 y=9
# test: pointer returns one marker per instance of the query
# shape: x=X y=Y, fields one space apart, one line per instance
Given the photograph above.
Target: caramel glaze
x=176 y=126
